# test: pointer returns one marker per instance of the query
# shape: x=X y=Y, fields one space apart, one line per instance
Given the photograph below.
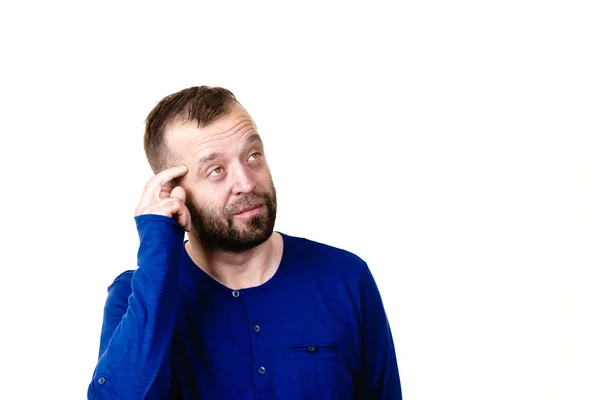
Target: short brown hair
x=203 y=104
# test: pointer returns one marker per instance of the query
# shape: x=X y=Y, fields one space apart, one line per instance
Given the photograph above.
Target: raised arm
x=141 y=307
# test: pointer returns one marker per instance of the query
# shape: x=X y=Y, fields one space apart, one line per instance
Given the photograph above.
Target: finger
x=155 y=184
x=178 y=211
x=165 y=192
x=167 y=206
x=179 y=193
x=183 y=218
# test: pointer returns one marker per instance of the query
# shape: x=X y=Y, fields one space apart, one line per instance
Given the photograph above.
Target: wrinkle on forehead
x=189 y=135
x=242 y=127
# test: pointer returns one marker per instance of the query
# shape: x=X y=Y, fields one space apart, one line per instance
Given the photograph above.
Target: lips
x=249 y=208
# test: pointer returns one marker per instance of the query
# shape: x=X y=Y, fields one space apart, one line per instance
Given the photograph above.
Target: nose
x=243 y=180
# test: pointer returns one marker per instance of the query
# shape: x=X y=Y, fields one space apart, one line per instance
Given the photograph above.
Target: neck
x=238 y=270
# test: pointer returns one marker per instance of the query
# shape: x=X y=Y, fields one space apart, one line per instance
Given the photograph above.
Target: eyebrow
x=254 y=138
x=212 y=156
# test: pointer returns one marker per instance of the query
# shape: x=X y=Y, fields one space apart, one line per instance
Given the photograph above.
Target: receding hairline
x=203 y=104
x=183 y=119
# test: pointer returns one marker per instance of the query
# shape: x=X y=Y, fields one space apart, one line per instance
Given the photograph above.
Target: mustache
x=247 y=201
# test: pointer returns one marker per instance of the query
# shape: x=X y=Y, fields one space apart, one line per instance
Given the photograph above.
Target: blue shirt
x=316 y=330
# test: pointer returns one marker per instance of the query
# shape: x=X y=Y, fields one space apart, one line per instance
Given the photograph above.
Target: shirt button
x=256 y=328
x=261 y=370
x=235 y=294
x=311 y=348
x=101 y=380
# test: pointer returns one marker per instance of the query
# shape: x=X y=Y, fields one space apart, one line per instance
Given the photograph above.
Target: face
x=229 y=188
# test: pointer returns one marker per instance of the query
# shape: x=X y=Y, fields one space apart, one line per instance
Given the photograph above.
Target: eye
x=255 y=156
x=217 y=171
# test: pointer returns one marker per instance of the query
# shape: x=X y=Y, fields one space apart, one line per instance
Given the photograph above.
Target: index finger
x=156 y=183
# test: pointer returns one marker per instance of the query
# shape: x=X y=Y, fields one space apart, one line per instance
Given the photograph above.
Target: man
x=238 y=311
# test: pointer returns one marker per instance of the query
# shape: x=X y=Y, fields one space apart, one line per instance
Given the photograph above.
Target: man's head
x=230 y=192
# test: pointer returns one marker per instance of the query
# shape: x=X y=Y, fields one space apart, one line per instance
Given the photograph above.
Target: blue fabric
x=316 y=330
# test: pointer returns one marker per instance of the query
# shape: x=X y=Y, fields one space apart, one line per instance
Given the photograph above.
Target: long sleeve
x=378 y=378
x=139 y=318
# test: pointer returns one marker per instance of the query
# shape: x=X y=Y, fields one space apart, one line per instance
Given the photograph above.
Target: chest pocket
x=313 y=352
x=311 y=367
x=317 y=349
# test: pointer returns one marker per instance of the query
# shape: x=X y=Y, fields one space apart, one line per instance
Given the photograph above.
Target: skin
x=220 y=171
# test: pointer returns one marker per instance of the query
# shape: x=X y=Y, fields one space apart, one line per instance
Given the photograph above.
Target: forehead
x=235 y=125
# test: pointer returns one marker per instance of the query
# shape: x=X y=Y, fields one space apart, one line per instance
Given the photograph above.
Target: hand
x=161 y=198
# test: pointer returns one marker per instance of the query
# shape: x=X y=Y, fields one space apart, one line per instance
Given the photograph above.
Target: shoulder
x=122 y=280
x=120 y=289
x=323 y=256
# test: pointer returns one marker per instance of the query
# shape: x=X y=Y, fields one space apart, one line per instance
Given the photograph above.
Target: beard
x=219 y=231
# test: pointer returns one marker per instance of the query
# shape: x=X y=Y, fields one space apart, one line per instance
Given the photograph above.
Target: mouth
x=250 y=211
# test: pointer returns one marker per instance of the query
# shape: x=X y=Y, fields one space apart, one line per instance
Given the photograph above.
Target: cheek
x=265 y=178
x=203 y=198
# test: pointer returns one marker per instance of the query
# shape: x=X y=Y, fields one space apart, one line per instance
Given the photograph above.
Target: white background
x=454 y=145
